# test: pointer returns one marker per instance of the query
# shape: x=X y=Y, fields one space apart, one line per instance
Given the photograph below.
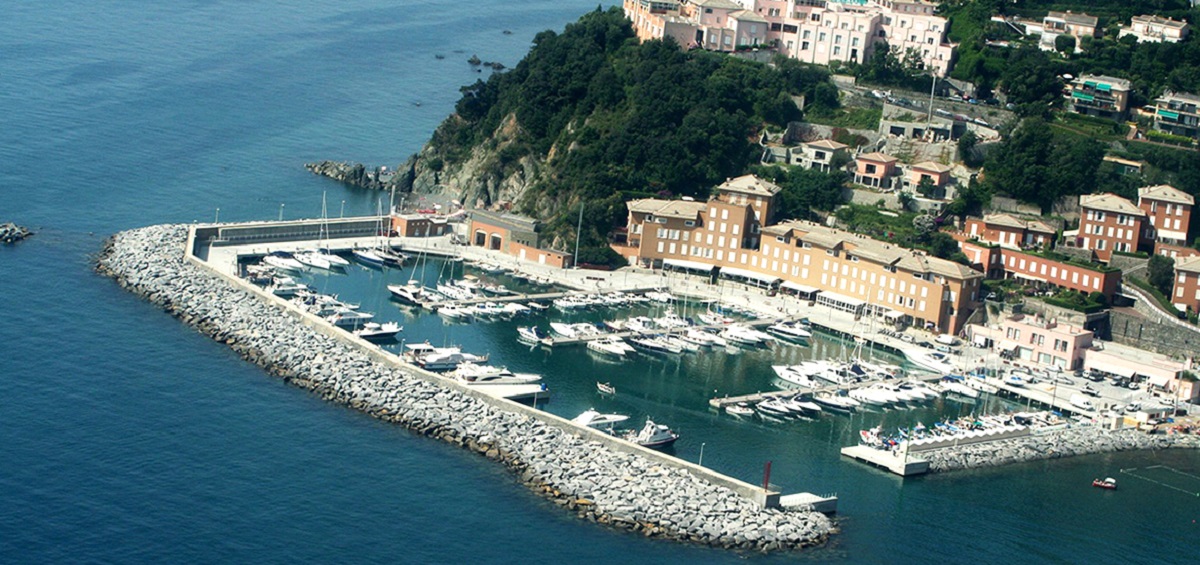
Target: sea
x=128 y=437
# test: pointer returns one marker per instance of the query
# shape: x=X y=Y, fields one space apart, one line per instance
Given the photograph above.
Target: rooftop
x=1011 y=221
x=1178 y=96
x=1119 y=83
x=1166 y=193
x=747 y=16
x=1078 y=19
x=1109 y=202
x=506 y=219
x=827 y=144
x=719 y=4
x=750 y=184
x=872 y=249
x=686 y=209
x=1159 y=21
x=932 y=167
x=878 y=157
x=1188 y=265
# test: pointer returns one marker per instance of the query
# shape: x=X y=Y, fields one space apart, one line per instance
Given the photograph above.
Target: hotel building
x=731 y=236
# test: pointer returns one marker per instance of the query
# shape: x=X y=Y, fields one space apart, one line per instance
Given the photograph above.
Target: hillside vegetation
x=591 y=117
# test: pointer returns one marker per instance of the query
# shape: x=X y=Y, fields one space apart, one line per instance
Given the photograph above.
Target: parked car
x=1088 y=390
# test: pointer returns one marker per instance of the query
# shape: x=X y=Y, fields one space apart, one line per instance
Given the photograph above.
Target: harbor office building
x=731 y=236
x=515 y=235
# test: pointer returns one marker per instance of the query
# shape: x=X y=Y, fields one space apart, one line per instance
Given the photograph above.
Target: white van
x=1082 y=402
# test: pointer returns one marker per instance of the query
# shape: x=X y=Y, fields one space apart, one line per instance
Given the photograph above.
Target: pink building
x=875 y=170
x=1036 y=341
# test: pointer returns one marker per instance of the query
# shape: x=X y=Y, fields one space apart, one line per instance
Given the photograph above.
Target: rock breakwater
x=581 y=472
x=12 y=233
x=1052 y=445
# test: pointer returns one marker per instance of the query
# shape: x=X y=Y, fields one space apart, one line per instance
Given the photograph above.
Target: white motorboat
x=1015 y=379
x=531 y=391
x=593 y=419
x=286 y=287
x=798 y=375
x=772 y=407
x=347 y=318
x=612 y=346
x=514 y=309
x=871 y=396
x=314 y=260
x=439 y=358
x=739 y=409
x=654 y=345
x=566 y=330
x=283 y=260
x=955 y=385
x=367 y=256
x=457 y=313
x=455 y=292
x=378 y=331
x=471 y=373
x=683 y=345
x=715 y=318
x=606 y=388
x=935 y=361
x=738 y=335
x=835 y=402
x=411 y=293
x=653 y=435
x=531 y=334
x=790 y=332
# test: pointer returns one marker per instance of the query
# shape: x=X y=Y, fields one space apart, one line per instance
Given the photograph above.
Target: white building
x=1155 y=29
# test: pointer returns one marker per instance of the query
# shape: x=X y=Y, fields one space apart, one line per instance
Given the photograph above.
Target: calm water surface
x=128 y=437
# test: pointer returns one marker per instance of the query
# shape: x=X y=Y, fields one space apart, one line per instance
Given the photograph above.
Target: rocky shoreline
x=1053 y=445
x=597 y=482
x=359 y=175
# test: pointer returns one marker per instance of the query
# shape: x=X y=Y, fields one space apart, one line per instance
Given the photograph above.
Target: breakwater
x=590 y=474
x=1067 y=442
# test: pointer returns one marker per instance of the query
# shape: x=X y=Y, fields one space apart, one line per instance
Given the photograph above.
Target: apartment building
x=1168 y=214
x=1035 y=339
x=1178 y=113
x=1075 y=25
x=1010 y=231
x=1100 y=96
x=813 y=31
x=1109 y=223
x=1186 y=292
x=1155 y=29
x=838 y=269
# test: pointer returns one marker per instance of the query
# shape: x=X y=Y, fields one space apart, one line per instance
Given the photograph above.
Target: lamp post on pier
x=217 y=220
x=701 y=461
x=281 y=211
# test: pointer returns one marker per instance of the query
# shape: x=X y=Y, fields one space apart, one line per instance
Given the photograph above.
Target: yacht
x=471 y=373
x=798 y=375
x=457 y=313
x=565 y=330
x=790 y=332
x=592 y=419
x=283 y=260
x=368 y=256
x=683 y=345
x=439 y=358
x=773 y=407
x=836 y=402
x=286 y=287
x=411 y=293
x=653 y=345
x=347 y=318
x=738 y=335
x=653 y=435
x=739 y=409
x=954 y=385
x=332 y=258
x=612 y=346
x=531 y=334
x=377 y=331
x=935 y=361
x=872 y=396
x=314 y=260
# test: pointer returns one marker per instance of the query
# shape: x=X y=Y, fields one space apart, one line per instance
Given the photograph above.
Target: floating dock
x=898 y=462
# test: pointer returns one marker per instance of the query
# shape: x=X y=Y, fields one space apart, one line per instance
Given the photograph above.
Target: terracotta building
x=1109 y=223
x=731 y=235
x=515 y=235
x=1168 y=214
x=1008 y=230
x=1186 y=292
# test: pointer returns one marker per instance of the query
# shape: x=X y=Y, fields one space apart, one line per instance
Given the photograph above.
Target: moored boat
x=1108 y=483
x=377 y=331
x=653 y=435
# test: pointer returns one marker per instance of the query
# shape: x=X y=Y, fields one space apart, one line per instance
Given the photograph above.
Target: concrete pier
x=898 y=462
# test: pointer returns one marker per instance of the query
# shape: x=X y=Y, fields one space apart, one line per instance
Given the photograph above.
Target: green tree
x=926 y=187
x=942 y=245
x=966 y=149
x=1161 y=273
x=1064 y=44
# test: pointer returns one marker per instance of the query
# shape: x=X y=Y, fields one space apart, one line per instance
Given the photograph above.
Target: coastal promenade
x=599 y=477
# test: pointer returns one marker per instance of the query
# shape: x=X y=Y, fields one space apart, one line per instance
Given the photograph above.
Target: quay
x=897 y=462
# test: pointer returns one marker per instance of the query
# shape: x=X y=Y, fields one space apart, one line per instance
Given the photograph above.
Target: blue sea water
x=127 y=437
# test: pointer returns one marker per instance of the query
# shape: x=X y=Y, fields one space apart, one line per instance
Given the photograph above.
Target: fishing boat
x=606 y=388
x=375 y=331
x=594 y=419
x=652 y=435
x=1108 y=483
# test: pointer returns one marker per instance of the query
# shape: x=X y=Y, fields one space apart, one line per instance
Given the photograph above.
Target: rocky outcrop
x=12 y=233
x=1053 y=445
x=620 y=488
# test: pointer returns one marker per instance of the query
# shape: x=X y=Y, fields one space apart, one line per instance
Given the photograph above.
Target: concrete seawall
x=597 y=477
x=1051 y=445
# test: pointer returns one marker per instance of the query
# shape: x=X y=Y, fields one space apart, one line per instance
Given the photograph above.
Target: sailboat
x=323 y=257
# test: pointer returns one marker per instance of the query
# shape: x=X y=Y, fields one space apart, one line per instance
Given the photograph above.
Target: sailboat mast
x=578 y=230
